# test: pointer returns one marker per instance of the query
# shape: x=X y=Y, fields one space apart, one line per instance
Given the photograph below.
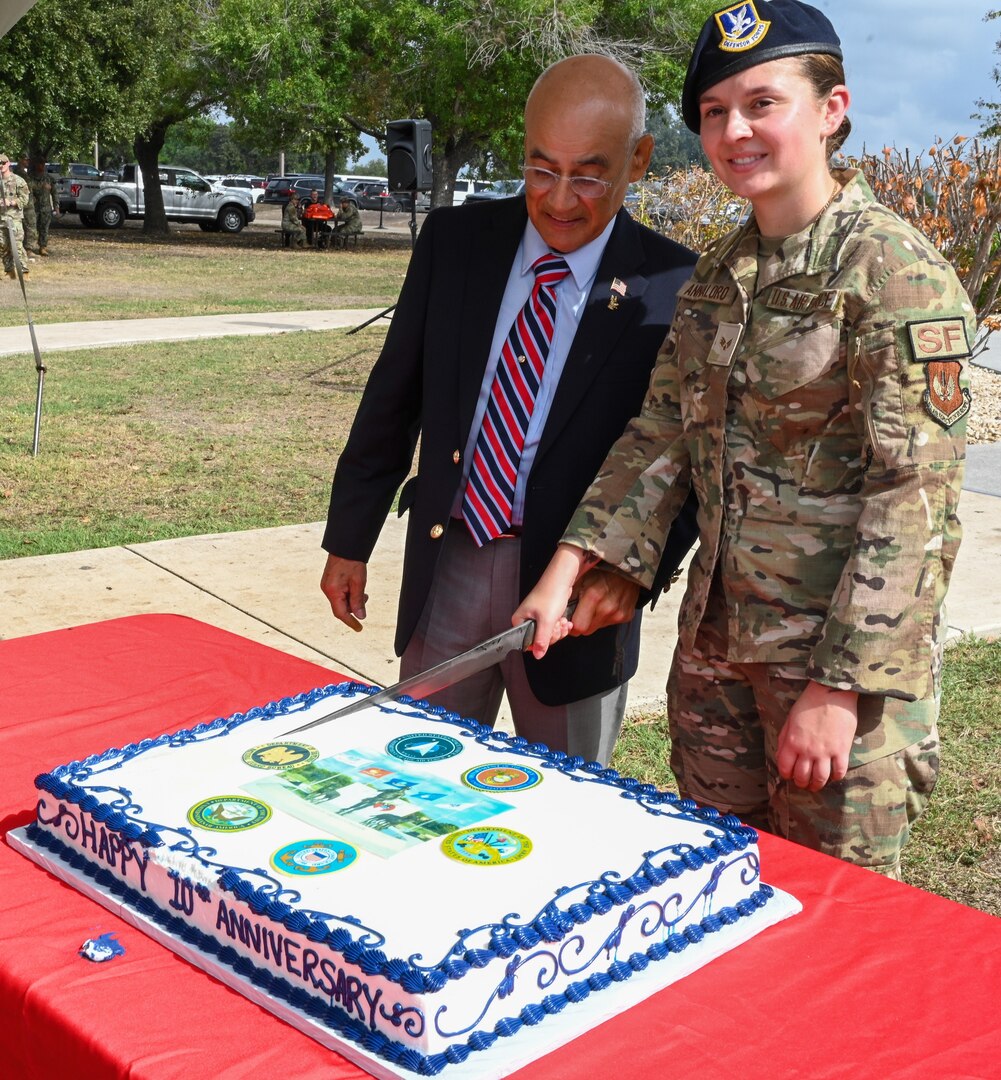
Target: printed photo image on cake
x=379 y=804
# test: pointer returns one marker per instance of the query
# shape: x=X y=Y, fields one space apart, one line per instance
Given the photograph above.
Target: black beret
x=748 y=33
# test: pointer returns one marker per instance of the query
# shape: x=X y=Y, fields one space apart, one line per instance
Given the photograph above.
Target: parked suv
x=376 y=196
x=252 y=186
x=280 y=188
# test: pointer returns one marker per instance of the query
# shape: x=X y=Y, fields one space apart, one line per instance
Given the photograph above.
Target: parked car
x=376 y=196
x=187 y=197
x=247 y=184
x=280 y=190
x=281 y=187
x=464 y=188
x=497 y=189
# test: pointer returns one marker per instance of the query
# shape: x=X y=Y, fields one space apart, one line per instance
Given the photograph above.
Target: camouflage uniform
x=292 y=228
x=43 y=192
x=818 y=408
x=348 y=223
x=14 y=197
x=30 y=214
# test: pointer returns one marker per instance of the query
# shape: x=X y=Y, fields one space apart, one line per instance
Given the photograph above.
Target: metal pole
x=39 y=366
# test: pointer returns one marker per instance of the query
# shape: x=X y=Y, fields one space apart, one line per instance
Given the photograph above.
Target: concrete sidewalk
x=264 y=584
x=103 y=333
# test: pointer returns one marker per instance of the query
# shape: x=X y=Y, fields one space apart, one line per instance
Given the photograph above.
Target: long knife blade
x=478 y=658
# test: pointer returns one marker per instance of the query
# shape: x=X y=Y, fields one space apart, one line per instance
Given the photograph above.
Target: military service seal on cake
x=414 y=889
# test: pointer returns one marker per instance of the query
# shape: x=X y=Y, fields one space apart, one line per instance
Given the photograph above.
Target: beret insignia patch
x=740 y=27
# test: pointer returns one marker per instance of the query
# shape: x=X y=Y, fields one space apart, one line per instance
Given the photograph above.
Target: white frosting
x=419 y=902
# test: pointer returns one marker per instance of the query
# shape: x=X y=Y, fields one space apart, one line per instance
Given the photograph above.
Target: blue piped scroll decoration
x=80 y=781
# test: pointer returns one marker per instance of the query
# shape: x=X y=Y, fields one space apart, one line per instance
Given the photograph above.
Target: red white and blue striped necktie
x=489 y=499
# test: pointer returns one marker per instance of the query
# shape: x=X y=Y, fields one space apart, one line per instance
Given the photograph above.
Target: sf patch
x=938 y=339
x=940 y=345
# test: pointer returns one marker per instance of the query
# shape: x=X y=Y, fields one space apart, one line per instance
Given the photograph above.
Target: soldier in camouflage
x=30 y=211
x=13 y=199
x=813 y=391
x=43 y=192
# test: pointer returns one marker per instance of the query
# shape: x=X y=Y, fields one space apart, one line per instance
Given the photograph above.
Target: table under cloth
x=872 y=979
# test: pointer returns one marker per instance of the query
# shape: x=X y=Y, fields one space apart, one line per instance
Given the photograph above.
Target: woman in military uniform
x=813 y=391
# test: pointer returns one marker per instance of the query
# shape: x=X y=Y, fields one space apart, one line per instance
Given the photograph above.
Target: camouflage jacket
x=819 y=414
x=290 y=218
x=43 y=190
x=350 y=219
x=14 y=196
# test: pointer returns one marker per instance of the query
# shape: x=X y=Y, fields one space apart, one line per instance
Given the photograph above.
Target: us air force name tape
x=752 y=32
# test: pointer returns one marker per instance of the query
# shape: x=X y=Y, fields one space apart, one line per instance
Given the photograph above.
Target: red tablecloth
x=873 y=979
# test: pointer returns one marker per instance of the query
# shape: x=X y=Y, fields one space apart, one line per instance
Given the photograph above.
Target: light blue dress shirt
x=571 y=296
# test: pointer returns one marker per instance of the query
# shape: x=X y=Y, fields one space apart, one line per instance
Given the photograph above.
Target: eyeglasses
x=587 y=187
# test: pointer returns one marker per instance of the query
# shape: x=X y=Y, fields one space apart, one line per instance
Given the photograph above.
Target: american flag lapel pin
x=618 y=288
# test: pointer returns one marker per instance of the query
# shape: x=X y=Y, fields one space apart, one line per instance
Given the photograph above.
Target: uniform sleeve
x=626 y=514
x=908 y=385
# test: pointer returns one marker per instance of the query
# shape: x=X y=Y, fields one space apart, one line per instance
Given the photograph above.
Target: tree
x=954 y=198
x=71 y=73
x=991 y=116
x=675 y=147
x=467 y=65
x=296 y=73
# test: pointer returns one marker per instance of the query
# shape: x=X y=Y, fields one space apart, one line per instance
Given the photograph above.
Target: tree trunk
x=147 y=148
x=446 y=164
x=329 y=168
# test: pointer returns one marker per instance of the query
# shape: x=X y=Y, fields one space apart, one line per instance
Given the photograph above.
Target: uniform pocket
x=792 y=359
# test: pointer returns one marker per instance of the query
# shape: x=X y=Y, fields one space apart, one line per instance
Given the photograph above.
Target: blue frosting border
x=358 y=944
x=355 y=1030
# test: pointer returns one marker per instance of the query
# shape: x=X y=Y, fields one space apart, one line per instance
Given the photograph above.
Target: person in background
x=347 y=222
x=30 y=219
x=293 y=233
x=814 y=387
x=14 y=196
x=521 y=344
x=43 y=192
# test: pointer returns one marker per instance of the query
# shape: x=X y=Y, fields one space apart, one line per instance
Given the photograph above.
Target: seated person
x=315 y=216
x=293 y=234
x=348 y=222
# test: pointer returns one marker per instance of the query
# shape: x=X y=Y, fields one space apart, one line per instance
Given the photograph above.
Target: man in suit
x=470 y=276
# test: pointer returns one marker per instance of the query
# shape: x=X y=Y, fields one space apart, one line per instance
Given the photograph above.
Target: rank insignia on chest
x=725 y=344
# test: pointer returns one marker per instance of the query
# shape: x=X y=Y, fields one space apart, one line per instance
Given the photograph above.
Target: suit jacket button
x=437 y=532
x=456 y=457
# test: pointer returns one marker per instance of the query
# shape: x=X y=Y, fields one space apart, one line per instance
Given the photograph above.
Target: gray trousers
x=474 y=593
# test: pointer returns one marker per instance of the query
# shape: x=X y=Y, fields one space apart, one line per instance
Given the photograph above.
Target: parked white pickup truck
x=186 y=197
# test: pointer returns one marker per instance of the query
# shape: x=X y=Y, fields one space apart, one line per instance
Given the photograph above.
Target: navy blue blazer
x=426 y=382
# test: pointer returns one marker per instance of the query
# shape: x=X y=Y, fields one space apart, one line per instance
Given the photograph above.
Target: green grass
x=955 y=848
x=99 y=274
x=176 y=439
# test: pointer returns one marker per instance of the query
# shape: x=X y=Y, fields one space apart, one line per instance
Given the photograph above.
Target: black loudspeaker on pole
x=408 y=155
